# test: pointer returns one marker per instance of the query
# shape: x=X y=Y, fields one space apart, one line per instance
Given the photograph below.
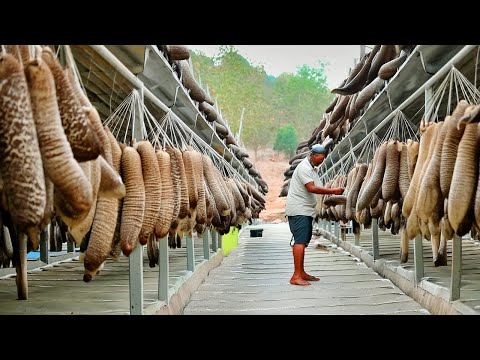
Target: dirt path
x=271 y=167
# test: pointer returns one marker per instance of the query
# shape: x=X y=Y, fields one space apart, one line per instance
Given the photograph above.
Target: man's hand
x=337 y=191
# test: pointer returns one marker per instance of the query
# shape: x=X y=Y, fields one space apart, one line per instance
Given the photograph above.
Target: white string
x=449 y=108
x=476 y=68
x=125 y=113
x=119 y=108
x=435 y=101
x=119 y=115
x=58 y=51
x=469 y=90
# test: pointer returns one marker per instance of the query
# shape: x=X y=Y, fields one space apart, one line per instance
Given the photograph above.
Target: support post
x=375 y=249
x=206 y=247
x=214 y=240
x=21 y=268
x=357 y=236
x=135 y=262
x=336 y=228
x=163 y=265
x=44 y=240
x=456 y=279
x=70 y=244
x=418 y=259
x=190 y=253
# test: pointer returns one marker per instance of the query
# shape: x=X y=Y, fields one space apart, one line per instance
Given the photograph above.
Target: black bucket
x=256 y=232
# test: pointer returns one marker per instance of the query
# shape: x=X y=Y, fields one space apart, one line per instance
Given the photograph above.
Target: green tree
x=235 y=83
x=298 y=99
x=286 y=140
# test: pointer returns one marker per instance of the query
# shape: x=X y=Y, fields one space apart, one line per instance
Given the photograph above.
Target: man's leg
x=298 y=257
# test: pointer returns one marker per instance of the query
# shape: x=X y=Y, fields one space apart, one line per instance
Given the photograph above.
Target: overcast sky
x=286 y=58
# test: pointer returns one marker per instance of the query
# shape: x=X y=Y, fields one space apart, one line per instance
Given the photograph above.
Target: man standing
x=300 y=208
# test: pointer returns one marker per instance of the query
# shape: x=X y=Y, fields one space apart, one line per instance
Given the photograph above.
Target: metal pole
x=206 y=247
x=418 y=259
x=136 y=280
x=163 y=265
x=135 y=260
x=429 y=83
x=219 y=240
x=456 y=279
x=44 y=239
x=190 y=253
x=214 y=240
x=375 y=249
x=357 y=239
x=70 y=243
x=336 y=228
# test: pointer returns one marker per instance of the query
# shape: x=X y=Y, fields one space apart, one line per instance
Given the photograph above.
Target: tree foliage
x=286 y=140
x=298 y=99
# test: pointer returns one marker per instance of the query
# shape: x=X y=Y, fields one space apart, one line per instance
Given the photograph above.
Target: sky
x=286 y=58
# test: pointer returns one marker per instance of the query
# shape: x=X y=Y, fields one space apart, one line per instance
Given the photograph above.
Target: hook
x=175 y=98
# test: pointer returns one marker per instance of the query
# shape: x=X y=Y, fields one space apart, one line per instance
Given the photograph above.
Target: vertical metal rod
x=206 y=246
x=21 y=268
x=456 y=279
x=70 y=244
x=190 y=253
x=336 y=227
x=135 y=262
x=163 y=265
x=44 y=240
x=418 y=259
x=214 y=240
x=219 y=240
x=375 y=249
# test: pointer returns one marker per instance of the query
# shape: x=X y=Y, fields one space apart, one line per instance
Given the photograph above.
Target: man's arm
x=323 y=191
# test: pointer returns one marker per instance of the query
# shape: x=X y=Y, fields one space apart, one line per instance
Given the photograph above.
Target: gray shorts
x=301 y=227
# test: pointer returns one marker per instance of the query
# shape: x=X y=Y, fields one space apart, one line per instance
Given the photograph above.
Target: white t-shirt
x=299 y=200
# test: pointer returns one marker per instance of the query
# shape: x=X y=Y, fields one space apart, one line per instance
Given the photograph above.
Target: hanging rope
x=476 y=67
x=459 y=87
x=117 y=118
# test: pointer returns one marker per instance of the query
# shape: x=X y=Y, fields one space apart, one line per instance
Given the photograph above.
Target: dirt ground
x=271 y=166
